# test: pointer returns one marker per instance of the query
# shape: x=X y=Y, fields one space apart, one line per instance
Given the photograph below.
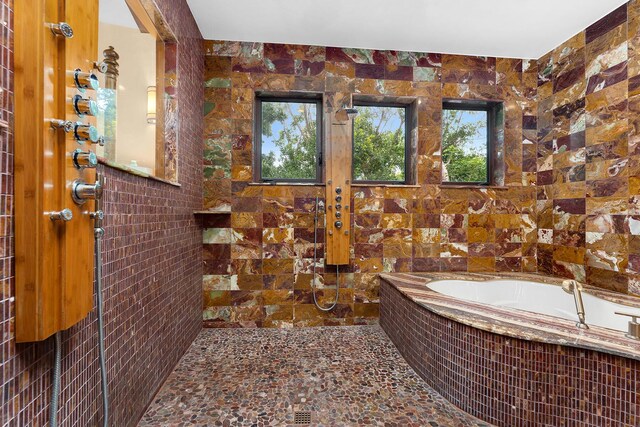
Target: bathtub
x=539 y=298
x=505 y=347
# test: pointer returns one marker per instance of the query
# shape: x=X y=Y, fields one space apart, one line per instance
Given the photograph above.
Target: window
x=380 y=143
x=467 y=133
x=289 y=144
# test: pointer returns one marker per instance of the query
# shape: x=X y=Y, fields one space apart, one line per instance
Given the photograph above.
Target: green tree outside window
x=289 y=143
x=379 y=144
x=289 y=146
x=464 y=146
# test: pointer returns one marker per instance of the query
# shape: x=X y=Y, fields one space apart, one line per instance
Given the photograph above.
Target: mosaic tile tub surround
x=258 y=256
x=588 y=157
x=152 y=270
x=509 y=381
x=520 y=323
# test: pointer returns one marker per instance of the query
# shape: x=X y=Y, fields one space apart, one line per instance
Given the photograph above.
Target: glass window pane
x=464 y=146
x=289 y=140
x=379 y=144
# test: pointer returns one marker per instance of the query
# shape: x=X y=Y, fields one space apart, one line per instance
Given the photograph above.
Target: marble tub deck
x=346 y=376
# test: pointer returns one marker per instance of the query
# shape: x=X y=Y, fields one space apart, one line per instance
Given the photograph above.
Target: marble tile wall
x=258 y=257
x=588 y=156
x=152 y=269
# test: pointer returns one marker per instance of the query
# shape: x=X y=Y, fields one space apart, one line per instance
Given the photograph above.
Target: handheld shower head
x=569 y=285
x=575 y=288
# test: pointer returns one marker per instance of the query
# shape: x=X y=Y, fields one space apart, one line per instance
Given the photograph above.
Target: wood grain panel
x=54 y=260
x=80 y=52
x=36 y=73
x=338 y=154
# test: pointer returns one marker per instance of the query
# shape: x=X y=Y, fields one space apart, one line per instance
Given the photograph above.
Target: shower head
x=350 y=111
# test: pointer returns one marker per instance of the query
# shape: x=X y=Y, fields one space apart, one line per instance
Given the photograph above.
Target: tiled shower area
x=258 y=253
x=208 y=271
x=285 y=377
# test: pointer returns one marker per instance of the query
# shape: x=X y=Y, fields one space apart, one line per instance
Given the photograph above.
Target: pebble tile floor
x=345 y=376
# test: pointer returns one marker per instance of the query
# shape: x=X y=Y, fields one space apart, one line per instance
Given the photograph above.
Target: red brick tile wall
x=508 y=381
x=152 y=269
x=588 y=154
x=255 y=277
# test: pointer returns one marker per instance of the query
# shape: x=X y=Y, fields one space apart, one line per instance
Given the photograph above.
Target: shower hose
x=313 y=281
x=55 y=393
x=98 y=232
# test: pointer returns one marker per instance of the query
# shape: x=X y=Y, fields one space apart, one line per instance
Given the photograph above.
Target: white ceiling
x=504 y=28
x=116 y=12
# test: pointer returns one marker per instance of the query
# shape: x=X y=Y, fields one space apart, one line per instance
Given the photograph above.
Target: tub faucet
x=634 y=326
x=572 y=286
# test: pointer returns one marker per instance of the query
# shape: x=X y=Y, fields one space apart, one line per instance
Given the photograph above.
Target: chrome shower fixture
x=351 y=112
x=319 y=204
x=572 y=286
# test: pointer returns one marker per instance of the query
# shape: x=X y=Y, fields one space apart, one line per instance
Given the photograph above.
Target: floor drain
x=302 y=418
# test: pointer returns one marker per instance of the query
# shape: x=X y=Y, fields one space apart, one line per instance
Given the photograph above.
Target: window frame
x=490 y=107
x=407 y=142
x=257 y=149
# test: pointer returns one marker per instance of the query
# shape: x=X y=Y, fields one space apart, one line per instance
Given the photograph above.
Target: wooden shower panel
x=81 y=52
x=338 y=154
x=54 y=259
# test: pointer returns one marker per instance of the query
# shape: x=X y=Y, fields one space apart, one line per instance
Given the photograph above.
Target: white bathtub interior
x=538 y=298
